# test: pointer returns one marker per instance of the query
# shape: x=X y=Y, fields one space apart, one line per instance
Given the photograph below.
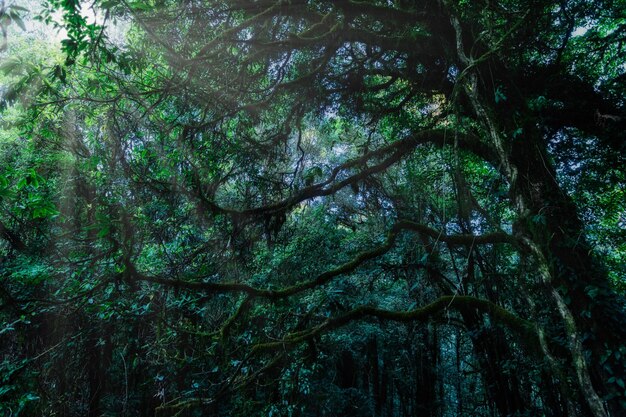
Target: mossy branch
x=523 y=327
x=325 y=277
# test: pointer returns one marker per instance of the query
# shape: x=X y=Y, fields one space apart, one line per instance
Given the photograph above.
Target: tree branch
x=524 y=327
x=325 y=277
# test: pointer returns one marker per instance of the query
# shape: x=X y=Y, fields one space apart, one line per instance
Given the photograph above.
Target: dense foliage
x=313 y=208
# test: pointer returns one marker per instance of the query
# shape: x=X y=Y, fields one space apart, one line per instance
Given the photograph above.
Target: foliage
x=329 y=208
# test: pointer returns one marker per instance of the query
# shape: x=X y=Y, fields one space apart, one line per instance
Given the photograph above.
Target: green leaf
x=10 y=65
x=140 y=6
x=18 y=21
x=104 y=231
x=60 y=73
x=109 y=3
x=5 y=389
x=592 y=291
x=23 y=182
x=499 y=95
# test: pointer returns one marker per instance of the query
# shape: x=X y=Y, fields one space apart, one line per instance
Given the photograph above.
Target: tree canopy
x=313 y=208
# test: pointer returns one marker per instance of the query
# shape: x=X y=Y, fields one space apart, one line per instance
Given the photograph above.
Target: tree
x=328 y=194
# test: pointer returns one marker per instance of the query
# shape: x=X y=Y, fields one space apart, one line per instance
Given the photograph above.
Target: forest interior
x=306 y=208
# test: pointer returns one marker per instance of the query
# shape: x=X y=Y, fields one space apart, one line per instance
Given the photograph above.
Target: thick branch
x=524 y=327
x=462 y=239
x=324 y=278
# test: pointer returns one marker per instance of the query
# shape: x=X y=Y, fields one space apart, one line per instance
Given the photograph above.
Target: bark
x=492 y=351
x=426 y=373
x=346 y=370
x=95 y=376
x=375 y=374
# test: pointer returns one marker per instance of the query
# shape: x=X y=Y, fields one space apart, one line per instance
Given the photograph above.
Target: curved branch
x=325 y=277
x=236 y=287
x=462 y=239
x=522 y=326
x=390 y=155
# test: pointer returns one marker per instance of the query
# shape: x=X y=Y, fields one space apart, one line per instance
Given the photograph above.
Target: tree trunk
x=549 y=227
x=372 y=349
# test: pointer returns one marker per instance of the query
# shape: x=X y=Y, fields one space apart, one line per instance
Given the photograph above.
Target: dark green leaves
x=499 y=95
